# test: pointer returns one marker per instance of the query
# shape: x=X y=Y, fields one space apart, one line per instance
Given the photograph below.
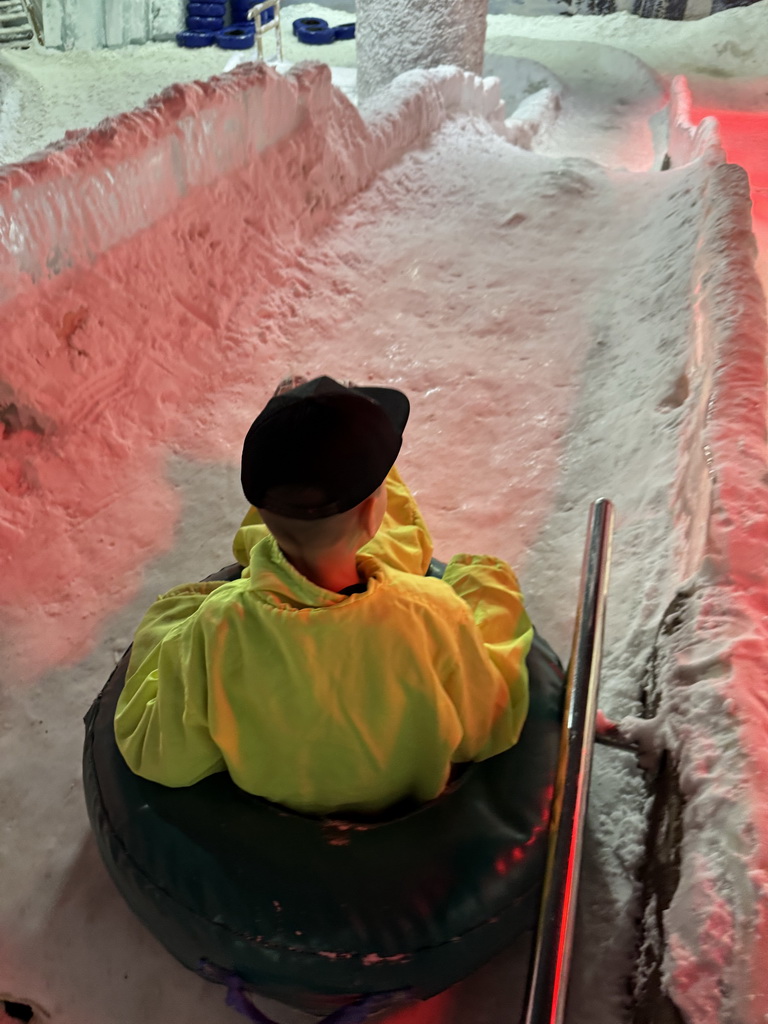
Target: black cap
x=322 y=448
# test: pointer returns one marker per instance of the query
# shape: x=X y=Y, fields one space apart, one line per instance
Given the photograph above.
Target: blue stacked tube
x=204 y=20
x=241 y=34
x=317 y=32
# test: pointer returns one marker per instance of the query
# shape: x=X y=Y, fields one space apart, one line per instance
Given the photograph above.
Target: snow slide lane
x=539 y=311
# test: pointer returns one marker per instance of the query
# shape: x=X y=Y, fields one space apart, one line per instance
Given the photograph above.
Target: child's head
x=344 y=533
x=315 y=459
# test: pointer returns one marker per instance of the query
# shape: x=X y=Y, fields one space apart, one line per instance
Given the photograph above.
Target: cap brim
x=394 y=403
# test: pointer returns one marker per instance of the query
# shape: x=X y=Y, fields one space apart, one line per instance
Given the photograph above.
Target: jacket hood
x=276 y=582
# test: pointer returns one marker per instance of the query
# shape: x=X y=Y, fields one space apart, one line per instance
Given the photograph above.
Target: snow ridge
x=712 y=716
x=687 y=143
x=64 y=207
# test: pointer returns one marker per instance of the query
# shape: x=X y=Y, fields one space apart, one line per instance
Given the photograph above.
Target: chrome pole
x=551 y=961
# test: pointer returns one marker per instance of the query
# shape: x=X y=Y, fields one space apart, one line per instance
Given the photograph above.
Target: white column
x=396 y=35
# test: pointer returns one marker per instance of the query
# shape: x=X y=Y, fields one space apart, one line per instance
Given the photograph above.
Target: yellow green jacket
x=325 y=702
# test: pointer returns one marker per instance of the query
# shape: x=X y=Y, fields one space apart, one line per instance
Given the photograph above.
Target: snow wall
x=110 y=341
x=711 y=658
x=71 y=204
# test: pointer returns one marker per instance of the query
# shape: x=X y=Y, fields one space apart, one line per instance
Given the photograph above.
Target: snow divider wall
x=96 y=188
x=713 y=653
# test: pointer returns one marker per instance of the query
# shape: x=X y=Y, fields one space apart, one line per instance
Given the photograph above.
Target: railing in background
x=35 y=12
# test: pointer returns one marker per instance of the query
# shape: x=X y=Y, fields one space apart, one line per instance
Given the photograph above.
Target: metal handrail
x=34 y=20
x=275 y=23
x=551 y=961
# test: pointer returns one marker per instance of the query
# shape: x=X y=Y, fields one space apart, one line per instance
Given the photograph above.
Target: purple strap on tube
x=355 y=1013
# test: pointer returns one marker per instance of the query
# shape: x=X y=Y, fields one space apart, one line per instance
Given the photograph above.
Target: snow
x=567 y=320
x=398 y=35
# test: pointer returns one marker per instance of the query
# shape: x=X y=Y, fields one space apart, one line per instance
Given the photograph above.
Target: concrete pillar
x=396 y=35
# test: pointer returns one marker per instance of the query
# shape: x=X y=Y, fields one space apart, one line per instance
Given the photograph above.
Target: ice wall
x=122 y=253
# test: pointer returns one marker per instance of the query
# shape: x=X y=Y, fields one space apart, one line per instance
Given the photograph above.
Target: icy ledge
x=707 y=673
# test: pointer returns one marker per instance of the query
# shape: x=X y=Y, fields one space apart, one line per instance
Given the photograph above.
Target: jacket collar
x=274 y=580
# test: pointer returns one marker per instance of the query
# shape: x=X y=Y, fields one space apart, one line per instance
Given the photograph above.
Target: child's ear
x=368 y=515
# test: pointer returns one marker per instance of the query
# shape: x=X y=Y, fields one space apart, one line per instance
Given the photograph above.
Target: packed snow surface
x=567 y=320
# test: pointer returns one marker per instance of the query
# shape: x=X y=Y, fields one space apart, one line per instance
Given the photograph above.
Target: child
x=333 y=675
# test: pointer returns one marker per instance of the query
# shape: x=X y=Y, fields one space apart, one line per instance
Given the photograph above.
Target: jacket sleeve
x=489 y=678
x=161 y=721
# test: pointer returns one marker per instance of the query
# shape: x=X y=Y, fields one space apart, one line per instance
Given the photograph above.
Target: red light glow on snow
x=744 y=136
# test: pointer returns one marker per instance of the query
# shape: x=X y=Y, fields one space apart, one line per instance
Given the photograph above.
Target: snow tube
x=204 y=10
x=237 y=37
x=346 y=31
x=315 y=36
x=194 y=40
x=324 y=914
x=212 y=25
x=312 y=24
